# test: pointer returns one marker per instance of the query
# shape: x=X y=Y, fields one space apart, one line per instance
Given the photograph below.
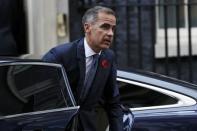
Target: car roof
x=159 y=81
x=125 y=74
x=17 y=59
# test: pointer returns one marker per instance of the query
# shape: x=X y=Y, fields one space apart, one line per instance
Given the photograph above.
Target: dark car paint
x=176 y=121
x=164 y=119
x=161 y=81
x=47 y=120
x=50 y=121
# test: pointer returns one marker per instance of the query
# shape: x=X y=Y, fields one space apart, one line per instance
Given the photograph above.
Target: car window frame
x=73 y=106
x=183 y=100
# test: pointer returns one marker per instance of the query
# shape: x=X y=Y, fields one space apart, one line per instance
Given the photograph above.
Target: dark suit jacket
x=72 y=57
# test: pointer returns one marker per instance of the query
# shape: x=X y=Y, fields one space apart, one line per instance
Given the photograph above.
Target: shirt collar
x=88 y=50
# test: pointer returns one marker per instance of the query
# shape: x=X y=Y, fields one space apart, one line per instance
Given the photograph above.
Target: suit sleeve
x=51 y=56
x=112 y=105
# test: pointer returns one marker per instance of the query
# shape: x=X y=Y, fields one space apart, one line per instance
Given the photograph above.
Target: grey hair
x=92 y=13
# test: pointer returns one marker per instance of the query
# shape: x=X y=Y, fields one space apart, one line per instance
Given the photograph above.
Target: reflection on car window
x=134 y=96
x=27 y=88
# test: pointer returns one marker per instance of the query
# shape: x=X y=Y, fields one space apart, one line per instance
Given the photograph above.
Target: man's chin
x=105 y=47
x=106 y=44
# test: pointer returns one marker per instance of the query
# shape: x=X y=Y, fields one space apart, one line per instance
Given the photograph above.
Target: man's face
x=100 y=33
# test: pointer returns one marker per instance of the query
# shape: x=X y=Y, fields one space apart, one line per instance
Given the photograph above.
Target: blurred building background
x=152 y=35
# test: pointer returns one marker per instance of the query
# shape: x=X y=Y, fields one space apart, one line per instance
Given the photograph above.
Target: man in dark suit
x=78 y=57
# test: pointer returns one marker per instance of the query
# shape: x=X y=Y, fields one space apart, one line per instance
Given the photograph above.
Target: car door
x=35 y=96
x=156 y=108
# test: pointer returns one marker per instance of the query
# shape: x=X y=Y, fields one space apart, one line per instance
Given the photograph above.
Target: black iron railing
x=136 y=34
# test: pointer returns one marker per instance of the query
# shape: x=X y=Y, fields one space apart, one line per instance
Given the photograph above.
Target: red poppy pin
x=105 y=63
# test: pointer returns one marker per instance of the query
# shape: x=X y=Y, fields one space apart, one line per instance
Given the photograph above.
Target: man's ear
x=87 y=27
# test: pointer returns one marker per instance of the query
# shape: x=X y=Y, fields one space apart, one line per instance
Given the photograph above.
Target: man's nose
x=110 y=32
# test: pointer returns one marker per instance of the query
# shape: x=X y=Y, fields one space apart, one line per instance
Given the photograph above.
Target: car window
x=134 y=96
x=27 y=88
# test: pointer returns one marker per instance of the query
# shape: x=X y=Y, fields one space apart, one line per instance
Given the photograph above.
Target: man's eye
x=105 y=26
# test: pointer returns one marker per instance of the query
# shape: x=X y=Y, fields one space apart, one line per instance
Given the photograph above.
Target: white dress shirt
x=89 y=55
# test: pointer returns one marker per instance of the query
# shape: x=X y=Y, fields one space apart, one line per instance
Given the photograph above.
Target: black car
x=36 y=96
x=158 y=103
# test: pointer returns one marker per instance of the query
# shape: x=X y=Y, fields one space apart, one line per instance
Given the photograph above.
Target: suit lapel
x=101 y=70
x=81 y=64
x=101 y=74
x=100 y=77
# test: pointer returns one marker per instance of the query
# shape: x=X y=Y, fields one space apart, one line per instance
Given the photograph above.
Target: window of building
x=171 y=11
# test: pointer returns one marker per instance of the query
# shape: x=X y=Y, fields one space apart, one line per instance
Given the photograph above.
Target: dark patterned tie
x=89 y=77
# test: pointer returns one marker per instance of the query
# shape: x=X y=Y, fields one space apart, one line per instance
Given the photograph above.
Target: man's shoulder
x=66 y=47
x=109 y=52
x=63 y=52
